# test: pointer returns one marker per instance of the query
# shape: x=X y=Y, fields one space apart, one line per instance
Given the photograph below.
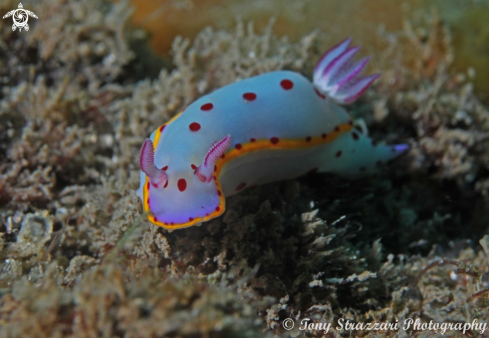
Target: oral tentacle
x=157 y=177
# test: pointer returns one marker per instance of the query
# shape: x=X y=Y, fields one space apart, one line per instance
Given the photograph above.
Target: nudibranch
x=267 y=128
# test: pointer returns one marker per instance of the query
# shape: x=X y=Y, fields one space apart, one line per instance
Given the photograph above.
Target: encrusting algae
x=79 y=259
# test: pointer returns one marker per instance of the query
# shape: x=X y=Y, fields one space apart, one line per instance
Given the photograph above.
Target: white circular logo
x=20 y=17
x=288 y=324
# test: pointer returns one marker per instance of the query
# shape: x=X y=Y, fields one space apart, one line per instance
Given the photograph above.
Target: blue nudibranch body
x=266 y=128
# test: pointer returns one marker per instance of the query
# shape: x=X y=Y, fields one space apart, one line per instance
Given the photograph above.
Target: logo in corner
x=20 y=16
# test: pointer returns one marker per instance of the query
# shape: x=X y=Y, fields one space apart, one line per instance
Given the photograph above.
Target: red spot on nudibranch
x=193 y=166
x=286 y=84
x=223 y=155
x=355 y=136
x=274 y=140
x=308 y=139
x=237 y=146
x=147 y=185
x=155 y=219
x=219 y=192
x=162 y=127
x=194 y=126
x=252 y=139
x=241 y=186
x=164 y=168
x=321 y=95
x=182 y=184
x=218 y=208
x=324 y=135
x=190 y=219
x=337 y=128
x=249 y=96
x=207 y=107
x=166 y=184
x=215 y=167
x=338 y=154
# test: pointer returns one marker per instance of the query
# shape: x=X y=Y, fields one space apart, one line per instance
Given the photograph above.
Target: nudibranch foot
x=338 y=77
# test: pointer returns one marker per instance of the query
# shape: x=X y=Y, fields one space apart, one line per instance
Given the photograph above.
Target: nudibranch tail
x=157 y=177
x=357 y=155
x=400 y=148
x=205 y=171
x=386 y=153
x=338 y=77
